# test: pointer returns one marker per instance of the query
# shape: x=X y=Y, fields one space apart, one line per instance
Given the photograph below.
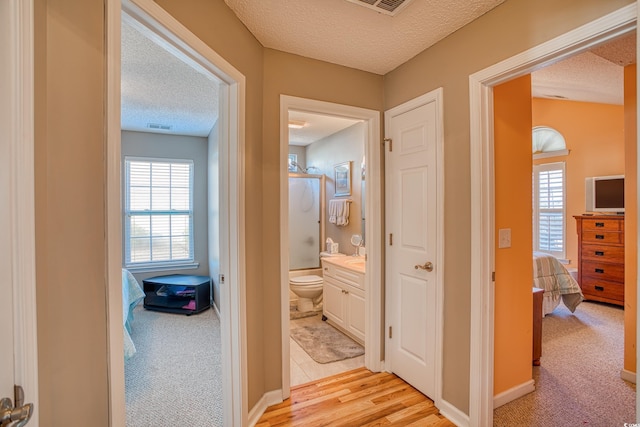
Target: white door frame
x=20 y=133
x=173 y=35
x=373 y=226
x=482 y=187
x=437 y=96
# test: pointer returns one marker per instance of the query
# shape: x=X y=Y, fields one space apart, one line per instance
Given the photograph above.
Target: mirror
x=356 y=241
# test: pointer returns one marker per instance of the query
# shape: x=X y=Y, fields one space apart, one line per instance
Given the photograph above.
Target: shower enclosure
x=306 y=228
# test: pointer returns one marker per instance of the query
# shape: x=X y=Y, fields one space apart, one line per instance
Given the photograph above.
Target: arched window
x=548 y=142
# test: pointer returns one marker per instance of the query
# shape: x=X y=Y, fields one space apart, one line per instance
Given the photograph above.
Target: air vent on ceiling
x=388 y=7
x=158 y=126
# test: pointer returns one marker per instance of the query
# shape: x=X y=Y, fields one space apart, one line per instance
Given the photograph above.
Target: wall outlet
x=504 y=238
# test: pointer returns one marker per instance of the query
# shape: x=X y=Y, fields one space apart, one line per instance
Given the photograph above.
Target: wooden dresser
x=601 y=257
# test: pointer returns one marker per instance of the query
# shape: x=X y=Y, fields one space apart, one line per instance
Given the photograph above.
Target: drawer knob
x=599 y=253
x=600 y=270
x=599 y=224
x=600 y=288
x=599 y=236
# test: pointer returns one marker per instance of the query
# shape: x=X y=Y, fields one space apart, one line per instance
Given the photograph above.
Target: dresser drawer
x=603 y=271
x=602 y=289
x=606 y=237
x=602 y=224
x=601 y=252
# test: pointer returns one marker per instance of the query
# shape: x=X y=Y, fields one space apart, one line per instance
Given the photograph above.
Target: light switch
x=504 y=238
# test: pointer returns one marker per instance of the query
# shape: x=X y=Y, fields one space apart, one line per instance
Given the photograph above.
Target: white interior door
x=411 y=195
x=6 y=284
x=18 y=351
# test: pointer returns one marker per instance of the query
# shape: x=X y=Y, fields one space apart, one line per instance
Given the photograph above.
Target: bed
x=558 y=284
x=132 y=294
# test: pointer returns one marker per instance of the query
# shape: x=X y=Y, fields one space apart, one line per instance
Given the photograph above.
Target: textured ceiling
x=345 y=33
x=317 y=126
x=594 y=76
x=160 y=89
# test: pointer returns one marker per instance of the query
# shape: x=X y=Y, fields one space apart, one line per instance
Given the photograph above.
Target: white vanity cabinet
x=343 y=296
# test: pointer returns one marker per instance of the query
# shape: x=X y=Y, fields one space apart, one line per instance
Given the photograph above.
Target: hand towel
x=339 y=211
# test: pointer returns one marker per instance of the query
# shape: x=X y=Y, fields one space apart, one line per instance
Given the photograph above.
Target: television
x=605 y=193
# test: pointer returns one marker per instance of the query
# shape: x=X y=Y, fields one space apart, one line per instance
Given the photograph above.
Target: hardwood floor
x=355 y=398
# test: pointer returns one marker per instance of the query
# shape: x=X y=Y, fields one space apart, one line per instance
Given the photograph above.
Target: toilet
x=308 y=289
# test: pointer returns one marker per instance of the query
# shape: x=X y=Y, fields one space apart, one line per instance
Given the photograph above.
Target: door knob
x=15 y=416
x=427 y=266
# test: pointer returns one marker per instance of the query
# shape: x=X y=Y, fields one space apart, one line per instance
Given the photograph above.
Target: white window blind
x=549 y=208
x=158 y=211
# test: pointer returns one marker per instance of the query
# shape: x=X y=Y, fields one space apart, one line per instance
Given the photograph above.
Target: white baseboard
x=513 y=393
x=269 y=398
x=628 y=376
x=453 y=414
x=216 y=309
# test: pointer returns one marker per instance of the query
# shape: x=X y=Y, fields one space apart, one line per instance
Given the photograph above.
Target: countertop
x=353 y=263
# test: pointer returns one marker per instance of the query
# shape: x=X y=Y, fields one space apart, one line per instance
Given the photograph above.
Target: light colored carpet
x=175 y=378
x=578 y=382
x=325 y=344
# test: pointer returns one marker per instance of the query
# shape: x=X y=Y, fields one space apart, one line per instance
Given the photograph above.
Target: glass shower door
x=304 y=222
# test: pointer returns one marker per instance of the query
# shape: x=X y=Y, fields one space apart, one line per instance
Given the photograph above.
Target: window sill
x=146 y=268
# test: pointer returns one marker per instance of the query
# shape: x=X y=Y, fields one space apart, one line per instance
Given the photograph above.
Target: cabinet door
x=355 y=314
x=333 y=301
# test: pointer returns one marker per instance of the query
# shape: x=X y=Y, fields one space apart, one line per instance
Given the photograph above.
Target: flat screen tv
x=605 y=194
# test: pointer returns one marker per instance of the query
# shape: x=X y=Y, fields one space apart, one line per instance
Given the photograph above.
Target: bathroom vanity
x=343 y=294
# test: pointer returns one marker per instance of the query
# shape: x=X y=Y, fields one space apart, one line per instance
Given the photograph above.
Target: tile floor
x=304 y=369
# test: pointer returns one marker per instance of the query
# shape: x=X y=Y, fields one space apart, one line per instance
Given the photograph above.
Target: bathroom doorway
x=350 y=122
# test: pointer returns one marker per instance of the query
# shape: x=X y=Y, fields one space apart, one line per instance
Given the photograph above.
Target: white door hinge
x=390 y=141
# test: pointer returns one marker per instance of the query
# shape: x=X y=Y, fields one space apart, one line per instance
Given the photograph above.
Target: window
x=547 y=142
x=158 y=212
x=549 y=208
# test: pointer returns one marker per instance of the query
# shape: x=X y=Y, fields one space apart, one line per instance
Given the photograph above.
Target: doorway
x=372 y=207
x=481 y=90
x=181 y=42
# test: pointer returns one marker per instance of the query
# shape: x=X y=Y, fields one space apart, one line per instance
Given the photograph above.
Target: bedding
x=132 y=294
x=558 y=284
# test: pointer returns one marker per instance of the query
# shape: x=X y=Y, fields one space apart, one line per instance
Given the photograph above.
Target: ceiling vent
x=388 y=7
x=158 y=126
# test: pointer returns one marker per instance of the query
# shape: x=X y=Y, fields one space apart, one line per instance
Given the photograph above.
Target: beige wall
x=215 y=24
x=70 y=176
x=346 y=145
x=511 y=28
x=70 y=219
x=306 y=78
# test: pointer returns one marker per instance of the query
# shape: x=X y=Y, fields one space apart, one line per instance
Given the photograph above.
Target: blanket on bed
x=132 y=294
x=550 y=275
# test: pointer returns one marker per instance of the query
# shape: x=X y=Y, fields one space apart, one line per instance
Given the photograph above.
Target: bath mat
x=295 y=314
x=325 y=344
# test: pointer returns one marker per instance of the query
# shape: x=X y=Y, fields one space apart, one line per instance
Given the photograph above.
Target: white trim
x=272 y=397
x=453 y=414
x=548 y=154
x=166 y=30
x=22 y=193
x=628 y=376
x=436 y=95
x=513 y=393
x=482 y=196
x=373 y=231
